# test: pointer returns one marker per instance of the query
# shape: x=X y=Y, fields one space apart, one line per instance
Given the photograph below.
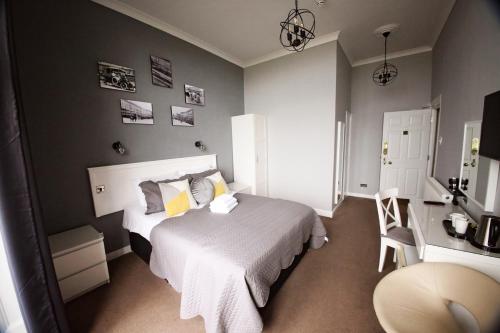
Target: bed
x=225 y=266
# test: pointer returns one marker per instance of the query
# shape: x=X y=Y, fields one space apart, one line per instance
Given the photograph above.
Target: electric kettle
x=487 y=234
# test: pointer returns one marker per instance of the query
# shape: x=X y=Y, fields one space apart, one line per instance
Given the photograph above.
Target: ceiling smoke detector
x=320 y=3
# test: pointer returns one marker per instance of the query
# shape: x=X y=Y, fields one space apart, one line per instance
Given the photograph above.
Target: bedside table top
x=74 y=239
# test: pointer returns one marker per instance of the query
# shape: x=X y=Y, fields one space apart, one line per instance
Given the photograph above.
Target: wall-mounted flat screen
x=490 y=128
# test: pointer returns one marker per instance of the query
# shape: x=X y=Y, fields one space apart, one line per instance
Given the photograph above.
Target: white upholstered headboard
x=112 y=186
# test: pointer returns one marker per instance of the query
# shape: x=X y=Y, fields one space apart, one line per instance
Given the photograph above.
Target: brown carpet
x=330 y=290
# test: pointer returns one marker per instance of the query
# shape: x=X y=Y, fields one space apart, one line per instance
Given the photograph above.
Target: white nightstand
x=240 y=188
x=79 y=260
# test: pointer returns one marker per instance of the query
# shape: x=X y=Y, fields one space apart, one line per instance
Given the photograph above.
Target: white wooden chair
x=401 y=257
x=392 y=232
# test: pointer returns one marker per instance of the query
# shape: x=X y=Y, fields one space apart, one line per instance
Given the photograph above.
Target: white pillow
x=220 y=186
x=137 y=188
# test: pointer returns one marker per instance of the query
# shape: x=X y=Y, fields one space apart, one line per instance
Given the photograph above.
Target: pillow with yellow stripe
x=220 y=186
x=177 y=198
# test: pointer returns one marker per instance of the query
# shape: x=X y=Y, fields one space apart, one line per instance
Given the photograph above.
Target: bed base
x=142 y=247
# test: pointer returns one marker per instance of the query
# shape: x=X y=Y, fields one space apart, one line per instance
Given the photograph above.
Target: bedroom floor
x=330 y=290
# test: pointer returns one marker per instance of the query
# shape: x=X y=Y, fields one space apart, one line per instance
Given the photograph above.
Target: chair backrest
x=384 y=211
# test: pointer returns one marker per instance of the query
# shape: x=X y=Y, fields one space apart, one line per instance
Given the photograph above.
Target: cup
x=454 y=216
x=461 y=224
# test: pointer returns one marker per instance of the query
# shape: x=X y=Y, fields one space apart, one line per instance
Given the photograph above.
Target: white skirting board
x=118 y=253
x=360 y=195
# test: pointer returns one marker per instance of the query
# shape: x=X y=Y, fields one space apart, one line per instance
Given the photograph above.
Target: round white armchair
x=437 y=297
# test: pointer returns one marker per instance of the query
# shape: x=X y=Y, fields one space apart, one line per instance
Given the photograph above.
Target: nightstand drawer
x=79 y=260
x=84 y=281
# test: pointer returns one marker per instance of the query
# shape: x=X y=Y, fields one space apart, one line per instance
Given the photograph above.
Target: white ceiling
x=247 y=32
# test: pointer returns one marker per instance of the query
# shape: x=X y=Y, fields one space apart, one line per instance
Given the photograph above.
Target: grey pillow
x=202 y=190
x=152 y=194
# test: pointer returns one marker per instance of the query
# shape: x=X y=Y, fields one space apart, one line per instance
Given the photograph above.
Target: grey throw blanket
x=224 y=264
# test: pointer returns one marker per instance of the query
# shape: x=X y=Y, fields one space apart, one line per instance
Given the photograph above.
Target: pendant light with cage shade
x=385 y=73
x=297 y=29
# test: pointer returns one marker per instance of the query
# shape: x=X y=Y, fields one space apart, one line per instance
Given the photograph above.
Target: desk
x=435 y=245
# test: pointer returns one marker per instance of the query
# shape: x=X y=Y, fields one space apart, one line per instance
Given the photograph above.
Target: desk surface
x=430 y=220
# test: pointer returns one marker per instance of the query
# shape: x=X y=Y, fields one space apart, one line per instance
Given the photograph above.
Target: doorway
x=405 y=152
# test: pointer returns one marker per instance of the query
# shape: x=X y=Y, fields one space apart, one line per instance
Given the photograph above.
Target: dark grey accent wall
x=466 y=67
x=72 y=122
x=410 y=90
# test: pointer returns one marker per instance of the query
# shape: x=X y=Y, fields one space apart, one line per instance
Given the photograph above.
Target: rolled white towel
x=225 y=198
x=223 y=210
x=223 y=203
x=223 y=206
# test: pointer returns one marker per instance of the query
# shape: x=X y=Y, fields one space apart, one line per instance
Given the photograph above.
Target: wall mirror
x=478 y=174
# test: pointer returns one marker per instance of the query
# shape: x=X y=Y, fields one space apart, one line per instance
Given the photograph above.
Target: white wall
x=296 y=93
x=410 y=90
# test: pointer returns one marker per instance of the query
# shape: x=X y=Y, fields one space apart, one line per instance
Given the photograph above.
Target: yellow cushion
x=219 y=189
x=178 y=204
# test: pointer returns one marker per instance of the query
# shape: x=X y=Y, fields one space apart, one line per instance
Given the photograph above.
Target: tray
x=482 y=247
x=450 y=230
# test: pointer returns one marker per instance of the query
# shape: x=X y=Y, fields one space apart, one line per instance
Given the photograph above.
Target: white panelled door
x=405 y=149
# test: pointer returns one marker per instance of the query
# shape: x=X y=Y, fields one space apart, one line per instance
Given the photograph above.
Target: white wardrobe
x=250 y=152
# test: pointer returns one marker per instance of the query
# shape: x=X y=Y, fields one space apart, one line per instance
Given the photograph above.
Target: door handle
x=385 y=148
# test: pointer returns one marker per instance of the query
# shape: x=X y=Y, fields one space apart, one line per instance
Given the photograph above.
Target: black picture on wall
x=161 y=72
x=182 y=116
x=135 y=112
x=194 y=95
x=116 y=77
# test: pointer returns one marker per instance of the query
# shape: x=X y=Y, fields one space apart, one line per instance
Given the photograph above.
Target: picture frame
x=194 y=95
x=116 y=77
x=182 y=116
x=161 y=72
x=136 y=112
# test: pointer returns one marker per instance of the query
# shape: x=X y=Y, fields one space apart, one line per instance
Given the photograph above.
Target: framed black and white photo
x=135 y=112
x=194 y=95
x=116 y=77
x=161 y=72
x=182 y=116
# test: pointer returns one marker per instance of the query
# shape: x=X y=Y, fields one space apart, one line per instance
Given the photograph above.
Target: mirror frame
x=493 y=170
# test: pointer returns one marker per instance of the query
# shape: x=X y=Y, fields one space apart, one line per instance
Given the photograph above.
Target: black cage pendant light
x=297 y=29
x=385 y=73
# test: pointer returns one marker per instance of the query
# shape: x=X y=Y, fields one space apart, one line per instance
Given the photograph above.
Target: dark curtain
x=21 y=226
